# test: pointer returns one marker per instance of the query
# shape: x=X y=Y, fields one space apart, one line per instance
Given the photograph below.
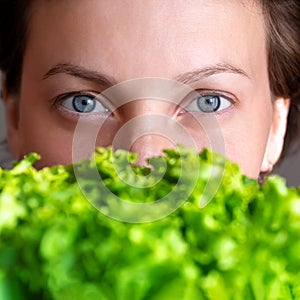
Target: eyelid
x=207 y=92
x=95 y=95
x=192 y=97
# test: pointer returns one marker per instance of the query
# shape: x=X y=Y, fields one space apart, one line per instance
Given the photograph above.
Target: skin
x=125 y=40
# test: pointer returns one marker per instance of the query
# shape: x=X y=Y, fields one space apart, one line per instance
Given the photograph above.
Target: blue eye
x=208 y=104
x=82 y=104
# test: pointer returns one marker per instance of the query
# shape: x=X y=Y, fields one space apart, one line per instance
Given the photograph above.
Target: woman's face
x=79 y=49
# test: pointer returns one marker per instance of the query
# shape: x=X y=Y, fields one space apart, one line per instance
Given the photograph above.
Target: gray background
x=289 y=168
x=2 y=126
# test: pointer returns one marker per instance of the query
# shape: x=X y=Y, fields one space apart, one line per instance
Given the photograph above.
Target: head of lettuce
x=66 y=233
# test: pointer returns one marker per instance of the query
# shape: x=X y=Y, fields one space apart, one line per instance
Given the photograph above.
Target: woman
x=242 y=58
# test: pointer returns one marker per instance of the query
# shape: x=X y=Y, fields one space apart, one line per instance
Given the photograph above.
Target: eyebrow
x=200 y=74
x=101 y=79
x=82 y=73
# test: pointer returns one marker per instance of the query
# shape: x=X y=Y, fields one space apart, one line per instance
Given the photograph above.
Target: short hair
x=282 y=19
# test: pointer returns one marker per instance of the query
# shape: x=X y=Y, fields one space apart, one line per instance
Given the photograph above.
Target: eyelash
x=186 y=103
x=58 y=103
x=192 y=97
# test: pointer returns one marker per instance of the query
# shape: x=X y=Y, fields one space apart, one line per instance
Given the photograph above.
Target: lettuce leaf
x=216 y=235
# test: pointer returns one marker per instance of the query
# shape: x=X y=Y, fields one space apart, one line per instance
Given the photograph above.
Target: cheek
x=246 y=143
x=43 y=129
x=247 y=151
x=241 y=136
x=42 y=132
x=91 y=134
x=206 y=132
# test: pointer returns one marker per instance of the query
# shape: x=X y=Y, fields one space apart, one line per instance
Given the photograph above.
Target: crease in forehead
x=172 y=9
x=252 y=6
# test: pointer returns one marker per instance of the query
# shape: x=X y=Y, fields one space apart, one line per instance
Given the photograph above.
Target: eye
x=82 y=103
x=208 y=104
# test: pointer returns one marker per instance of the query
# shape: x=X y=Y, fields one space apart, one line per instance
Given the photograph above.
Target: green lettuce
x=81 y=231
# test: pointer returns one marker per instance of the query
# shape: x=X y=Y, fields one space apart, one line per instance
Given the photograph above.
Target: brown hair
x=14 y=20
x=283 y=28
x=282 y=24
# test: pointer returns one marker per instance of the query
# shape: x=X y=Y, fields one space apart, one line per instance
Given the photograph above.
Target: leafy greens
x=242 y=242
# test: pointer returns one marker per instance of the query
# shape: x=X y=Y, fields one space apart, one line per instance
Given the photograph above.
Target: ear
x=277 y=133
x=11 y=103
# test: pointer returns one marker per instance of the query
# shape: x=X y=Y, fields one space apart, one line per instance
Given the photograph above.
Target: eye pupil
x=209 y=103
x=84 y=103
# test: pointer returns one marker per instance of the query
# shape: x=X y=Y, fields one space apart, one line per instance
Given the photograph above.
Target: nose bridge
x=148 y=106
x=146 y=124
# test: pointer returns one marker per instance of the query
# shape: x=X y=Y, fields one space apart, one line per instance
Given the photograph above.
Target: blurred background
x=289 y=168
x=2 y=123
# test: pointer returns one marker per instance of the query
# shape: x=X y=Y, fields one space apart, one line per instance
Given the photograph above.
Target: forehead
x=145 y=34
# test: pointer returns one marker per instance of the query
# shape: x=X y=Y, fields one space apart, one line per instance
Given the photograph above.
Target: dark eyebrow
x=202 y=73
x=101 y=79
x=81 y=72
